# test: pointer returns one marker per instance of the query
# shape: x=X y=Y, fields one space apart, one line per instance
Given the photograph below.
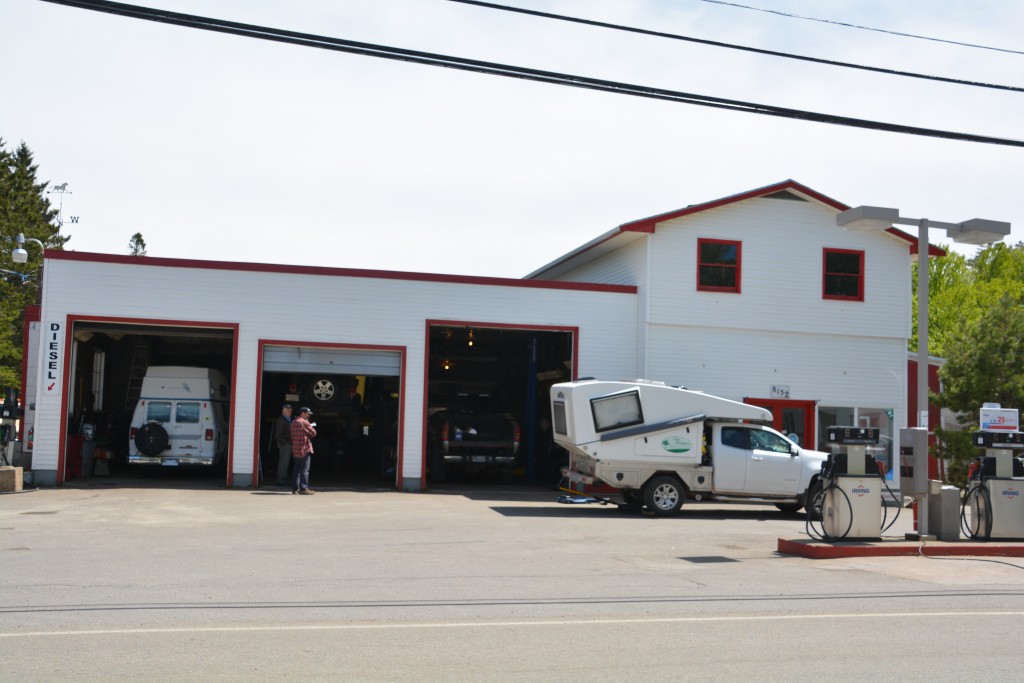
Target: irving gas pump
x=997 y=479
x=852 y=497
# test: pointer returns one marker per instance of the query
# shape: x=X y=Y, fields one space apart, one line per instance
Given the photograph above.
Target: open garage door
x=354 y=393
x=109 y=362
x=487 y=402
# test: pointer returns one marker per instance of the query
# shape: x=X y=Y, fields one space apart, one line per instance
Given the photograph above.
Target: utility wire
x=865 y=28
x=495 y=69
x=731 y=46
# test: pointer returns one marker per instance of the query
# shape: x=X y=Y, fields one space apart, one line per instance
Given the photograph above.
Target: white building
x=758 y=297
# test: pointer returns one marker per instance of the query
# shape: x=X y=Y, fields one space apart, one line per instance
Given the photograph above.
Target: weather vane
x=62 y=190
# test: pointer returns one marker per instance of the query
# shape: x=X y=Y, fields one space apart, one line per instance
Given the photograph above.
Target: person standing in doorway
x=283 y=440
x=302 y=450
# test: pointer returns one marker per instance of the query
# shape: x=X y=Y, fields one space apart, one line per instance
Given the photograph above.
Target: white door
x=774 y=467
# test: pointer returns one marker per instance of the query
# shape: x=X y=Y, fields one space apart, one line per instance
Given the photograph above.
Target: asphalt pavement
x=471 y=583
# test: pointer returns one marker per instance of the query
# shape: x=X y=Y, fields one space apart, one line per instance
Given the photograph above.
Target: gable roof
x=630 y=232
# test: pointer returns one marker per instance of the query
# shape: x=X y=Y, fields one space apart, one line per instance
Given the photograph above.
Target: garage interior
x=108 y=363
x=354 y=395
x=496 y=371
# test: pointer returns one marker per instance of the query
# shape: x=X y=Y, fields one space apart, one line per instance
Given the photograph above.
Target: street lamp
x=975 y=231
x=18 y=254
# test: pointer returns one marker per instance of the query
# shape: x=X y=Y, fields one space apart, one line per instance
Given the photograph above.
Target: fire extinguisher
x=31 y=438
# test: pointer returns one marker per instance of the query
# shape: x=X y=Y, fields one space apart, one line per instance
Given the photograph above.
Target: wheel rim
x=323 y=390
x=666 y=497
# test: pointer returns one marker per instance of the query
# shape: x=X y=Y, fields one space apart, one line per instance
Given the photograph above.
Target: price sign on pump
x=999 y=419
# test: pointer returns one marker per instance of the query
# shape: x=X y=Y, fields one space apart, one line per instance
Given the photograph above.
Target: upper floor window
x=718 y=265
x=843 y=275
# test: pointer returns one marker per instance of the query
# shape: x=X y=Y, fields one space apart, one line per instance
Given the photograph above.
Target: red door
x=792 y=418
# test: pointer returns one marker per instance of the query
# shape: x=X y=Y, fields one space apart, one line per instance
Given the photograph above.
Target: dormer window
x=843 y=275
x=718 y=265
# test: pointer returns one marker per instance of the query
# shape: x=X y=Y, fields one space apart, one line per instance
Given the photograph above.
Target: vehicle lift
x=851 y=486
x=995 y=485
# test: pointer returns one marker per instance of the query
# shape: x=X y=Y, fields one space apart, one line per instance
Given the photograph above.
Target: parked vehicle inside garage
x=468 y=436
x=181 y=418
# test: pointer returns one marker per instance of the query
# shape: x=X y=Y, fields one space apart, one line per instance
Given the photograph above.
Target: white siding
x=781 y=278
x=305 y=307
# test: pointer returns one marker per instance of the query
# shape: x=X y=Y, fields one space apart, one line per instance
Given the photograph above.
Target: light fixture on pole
x=18 y=254
x=976 y=231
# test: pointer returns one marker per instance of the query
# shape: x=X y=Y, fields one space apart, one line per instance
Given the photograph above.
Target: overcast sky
x=221 y=147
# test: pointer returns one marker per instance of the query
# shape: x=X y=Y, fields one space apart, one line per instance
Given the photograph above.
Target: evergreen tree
x=137 y=245
x=24 y=208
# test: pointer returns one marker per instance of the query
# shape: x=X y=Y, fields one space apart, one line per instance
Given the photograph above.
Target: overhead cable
x=496 y=69
x=732 y=46
x=866 y=28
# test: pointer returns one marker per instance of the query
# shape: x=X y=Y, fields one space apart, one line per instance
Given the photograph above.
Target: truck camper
x=647 y=443
x=181 y=418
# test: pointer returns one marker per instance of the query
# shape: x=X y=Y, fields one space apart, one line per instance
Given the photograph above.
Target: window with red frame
x=843 y=275
x=718 y=265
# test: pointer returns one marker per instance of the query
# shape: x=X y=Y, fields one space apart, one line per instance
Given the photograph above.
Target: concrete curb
x=817 y=550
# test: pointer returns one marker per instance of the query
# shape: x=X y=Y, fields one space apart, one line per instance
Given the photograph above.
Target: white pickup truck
x=644 y=442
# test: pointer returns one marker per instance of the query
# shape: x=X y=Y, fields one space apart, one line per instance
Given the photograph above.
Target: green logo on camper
x=677 y=444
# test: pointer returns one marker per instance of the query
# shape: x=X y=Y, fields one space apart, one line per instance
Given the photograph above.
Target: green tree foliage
x=137 y=245
x=24 y=209
x=985 y=362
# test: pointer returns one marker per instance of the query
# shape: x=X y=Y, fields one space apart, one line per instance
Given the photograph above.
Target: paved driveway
x=484 y=584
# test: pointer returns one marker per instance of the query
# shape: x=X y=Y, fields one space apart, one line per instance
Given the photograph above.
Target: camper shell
x=181 y=417
x=644 y=442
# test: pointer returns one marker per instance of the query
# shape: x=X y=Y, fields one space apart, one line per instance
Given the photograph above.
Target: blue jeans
x=300 y=481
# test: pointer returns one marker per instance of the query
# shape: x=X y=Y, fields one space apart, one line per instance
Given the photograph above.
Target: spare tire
x=151 y=439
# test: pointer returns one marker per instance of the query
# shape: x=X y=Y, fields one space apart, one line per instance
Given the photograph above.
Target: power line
x=865 y=28
x=509 y=71
x=732 y=46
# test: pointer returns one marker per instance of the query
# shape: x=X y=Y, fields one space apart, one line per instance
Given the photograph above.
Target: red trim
x=824 y=273
x=648 y=224
x=65 y=399
x=829 y=551
x=574 y=331
x=32 y=312
x=263 y=343
x=332 y=272
x=739 y=265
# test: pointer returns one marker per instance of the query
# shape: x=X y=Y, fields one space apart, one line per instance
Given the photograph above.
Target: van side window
x=187 y=413
x=158 y=411
x=736 y=437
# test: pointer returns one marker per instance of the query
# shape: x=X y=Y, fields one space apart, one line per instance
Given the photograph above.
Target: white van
x=181 y=418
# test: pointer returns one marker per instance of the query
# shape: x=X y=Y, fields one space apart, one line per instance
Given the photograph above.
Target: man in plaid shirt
x=302 y=451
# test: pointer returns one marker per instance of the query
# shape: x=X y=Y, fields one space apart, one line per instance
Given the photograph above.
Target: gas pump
x=9 y=416
x=852 y=498
x=996 y=481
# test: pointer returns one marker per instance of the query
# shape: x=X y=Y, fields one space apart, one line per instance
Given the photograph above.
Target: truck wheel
x=151 y=439
x=664 y=495
x=813 y=500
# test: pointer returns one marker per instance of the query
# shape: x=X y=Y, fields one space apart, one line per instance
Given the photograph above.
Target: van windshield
x=158 y=411
x=187 y=413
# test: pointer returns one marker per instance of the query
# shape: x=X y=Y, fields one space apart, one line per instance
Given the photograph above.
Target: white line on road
x=492 y=624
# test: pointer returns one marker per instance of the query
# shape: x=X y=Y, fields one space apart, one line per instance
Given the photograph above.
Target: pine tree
x=24 y=208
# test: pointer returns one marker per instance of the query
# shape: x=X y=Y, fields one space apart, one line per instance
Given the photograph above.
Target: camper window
x=558 y=410
x=617 y=410
x=187 y=413
x=158 y=411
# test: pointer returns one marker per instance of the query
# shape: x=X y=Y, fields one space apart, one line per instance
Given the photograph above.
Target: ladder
x=140 y=363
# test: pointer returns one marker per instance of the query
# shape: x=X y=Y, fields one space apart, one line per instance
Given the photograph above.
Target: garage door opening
x=109 y=361
x=355 y=395
x=487 y=402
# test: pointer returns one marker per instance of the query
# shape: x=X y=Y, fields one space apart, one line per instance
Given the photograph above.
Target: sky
x=228 y=148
